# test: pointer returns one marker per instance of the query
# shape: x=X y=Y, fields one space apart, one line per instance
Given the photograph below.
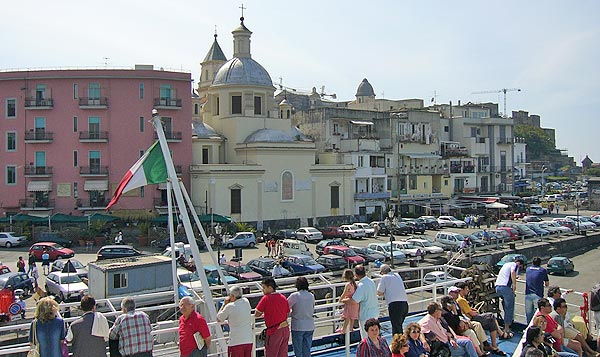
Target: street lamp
x=218 y=229
x=544 y=168
x=577 y=210
x=391 y=217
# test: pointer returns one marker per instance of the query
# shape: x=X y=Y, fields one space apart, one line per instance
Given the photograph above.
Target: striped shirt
x=133 y=331
x=366 y=348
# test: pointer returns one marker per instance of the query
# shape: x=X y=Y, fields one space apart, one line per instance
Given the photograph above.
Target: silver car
x=67 y=286
x=241 y=239
x=9 y=239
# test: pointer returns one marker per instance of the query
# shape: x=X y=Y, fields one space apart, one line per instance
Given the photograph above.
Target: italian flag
x=149 y=169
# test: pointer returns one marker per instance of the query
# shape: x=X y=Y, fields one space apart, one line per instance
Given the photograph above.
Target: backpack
x=595 y=298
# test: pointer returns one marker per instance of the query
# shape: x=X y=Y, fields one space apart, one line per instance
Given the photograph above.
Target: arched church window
x=287 y=186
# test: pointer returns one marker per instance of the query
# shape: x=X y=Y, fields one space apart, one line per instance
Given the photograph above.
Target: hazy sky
x=406 y=49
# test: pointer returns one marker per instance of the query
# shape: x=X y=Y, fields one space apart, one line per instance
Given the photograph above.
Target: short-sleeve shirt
x=302 y=304
x=239 y=318
x=534 y=280
x=551 y=326
x=504 y=276
x=366 y=296
x=187 y=328
x=133 y=331
x=392 y=287
x=275 y=308
x=464 y=305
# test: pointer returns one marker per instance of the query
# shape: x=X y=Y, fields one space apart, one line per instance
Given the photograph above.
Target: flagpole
x=212 y=311
x=172 y=242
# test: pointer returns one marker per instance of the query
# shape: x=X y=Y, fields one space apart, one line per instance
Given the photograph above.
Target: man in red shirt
x=189 y=323
x=274 y=308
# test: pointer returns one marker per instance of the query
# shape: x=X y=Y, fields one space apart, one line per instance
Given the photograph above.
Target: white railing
x=165 y=332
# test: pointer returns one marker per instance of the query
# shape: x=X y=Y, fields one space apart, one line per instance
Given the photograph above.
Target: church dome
x=365 y=89
x=242 y=70
x=202 y=130
x=269 y=136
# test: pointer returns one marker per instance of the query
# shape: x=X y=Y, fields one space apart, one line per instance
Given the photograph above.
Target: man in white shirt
x=391 y=286
x=236 y=311
x=506 y=285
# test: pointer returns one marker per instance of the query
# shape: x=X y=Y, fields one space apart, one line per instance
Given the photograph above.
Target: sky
x=406 y=49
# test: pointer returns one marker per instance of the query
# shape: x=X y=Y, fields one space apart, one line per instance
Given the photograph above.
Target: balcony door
x=40 y=162
x=40 y=128
x=94 y=127
x=94 y=160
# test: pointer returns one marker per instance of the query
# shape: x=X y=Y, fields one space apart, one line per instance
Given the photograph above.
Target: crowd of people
x=451 y=327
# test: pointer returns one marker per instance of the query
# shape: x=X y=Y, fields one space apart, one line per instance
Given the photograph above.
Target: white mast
x=185 y=219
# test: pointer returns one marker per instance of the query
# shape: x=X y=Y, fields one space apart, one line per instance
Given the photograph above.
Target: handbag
x=263 y=333
x=64 y=349
x=34 y=350
x=439 y=349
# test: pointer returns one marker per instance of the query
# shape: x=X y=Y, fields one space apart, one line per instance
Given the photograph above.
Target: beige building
x=249 y=162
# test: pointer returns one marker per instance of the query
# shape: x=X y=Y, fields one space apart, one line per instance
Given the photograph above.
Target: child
x=350 y=307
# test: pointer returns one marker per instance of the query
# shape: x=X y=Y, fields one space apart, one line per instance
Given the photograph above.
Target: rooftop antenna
x=105 y=61
x=434 y=98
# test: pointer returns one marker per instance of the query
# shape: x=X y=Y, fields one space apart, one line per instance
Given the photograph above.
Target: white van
x=294 y=246
x=179 y=248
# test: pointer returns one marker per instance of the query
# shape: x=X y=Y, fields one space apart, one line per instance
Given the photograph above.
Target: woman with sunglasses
x=417 y=345
x=399 y=345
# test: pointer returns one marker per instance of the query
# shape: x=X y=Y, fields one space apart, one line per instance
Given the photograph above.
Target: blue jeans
x=508 y=303
x=465 y=348
x=302 y=342
x=567 y=354
x=530 y=306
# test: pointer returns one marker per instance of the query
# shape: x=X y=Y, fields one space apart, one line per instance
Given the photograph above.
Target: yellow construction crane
x=503 y=90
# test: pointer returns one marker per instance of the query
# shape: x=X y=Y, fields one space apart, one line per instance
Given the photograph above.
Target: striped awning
x=39 y=186
x=96 y=185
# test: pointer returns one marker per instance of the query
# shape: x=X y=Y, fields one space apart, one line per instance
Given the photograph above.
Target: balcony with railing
x=359 y=143
x=453 y=150
x=505 y=141
x=462 y=169
x=32 y=204
x=93 y=103
x=93 y=171
x=422 y=170
x=37 y=171
x=159 y=202
x=372 y=196
x=93 y=136
x=167 y=103
x=92 y=204
x=171 y=136
x=39 y=103
x=38 y=137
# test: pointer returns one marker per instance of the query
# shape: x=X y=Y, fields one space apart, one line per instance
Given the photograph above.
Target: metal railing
x=93 y=170
x=167 y=102
x=32 y=170
x=33 y=203
x=171 y=135
x=33 y=102
x=93 y=135
x=39 y=136
x=87 y=102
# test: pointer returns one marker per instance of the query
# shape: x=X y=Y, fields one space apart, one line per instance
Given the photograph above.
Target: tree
x=593 y=171
x=538 y=142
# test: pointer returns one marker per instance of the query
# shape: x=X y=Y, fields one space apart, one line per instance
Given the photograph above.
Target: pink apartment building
x=68 y=136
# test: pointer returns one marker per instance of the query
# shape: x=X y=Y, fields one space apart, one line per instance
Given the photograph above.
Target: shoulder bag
x=34 y=350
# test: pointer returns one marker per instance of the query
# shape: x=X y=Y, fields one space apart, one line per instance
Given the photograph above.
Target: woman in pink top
x=350 y=307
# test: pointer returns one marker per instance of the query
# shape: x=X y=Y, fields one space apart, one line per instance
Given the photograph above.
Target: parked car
x=429 y=222
x=408 y=249
x=181 y=239
x=4 y=269
x=300 y=264
x=502 y=234
x=117 y=251
x=324 y=243
x=554 y=227
x=10 y=239
x=566 y=222
x=308 y=234
x=368 y=254
x=55 y=251
x=522 y=228
x=369 y=231
x=180 y=248
x=352 y=231
x=437 y=277
x=511 y=258
x=449 y=240
x=538 y=209
x=560 y=265
x=426 y=246
x=67 y=286
x=55 y=238
x=451 y=221
x=240 y=271
x=333 y=232
x=528 y=219
x=80 y=269
x=513 y=233
x=416 y=226
x=401 y=228
x=16 y=280
x=385 y=249
x=476 y=238
x=212 y=275
x=584 y=224
x=241 y=239
x=347 y=253
x=332 y=262
x=264 y=266
x=380 y=227
x=284 y=234
x=189 y=279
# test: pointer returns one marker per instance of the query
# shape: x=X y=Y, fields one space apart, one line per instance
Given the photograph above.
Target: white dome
x=269 y=136
x=243 y=70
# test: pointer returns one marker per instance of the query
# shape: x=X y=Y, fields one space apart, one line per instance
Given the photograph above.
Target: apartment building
x=68 y=136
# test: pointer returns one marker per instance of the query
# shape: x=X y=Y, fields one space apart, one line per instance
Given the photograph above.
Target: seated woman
x=399 y=345
x=417 y=344
x=373 y=345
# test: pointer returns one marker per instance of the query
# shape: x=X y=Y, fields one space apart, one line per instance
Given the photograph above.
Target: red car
x=347 y=253
x=4 y=269
x=240 y=271
x=513 y=233
x=55 y=250
x=333 y=232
